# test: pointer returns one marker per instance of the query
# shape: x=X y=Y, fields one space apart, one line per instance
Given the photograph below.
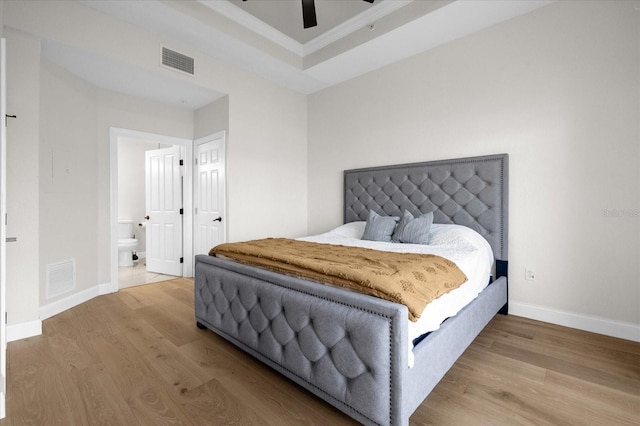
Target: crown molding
x=247 y=20
x=377 y=11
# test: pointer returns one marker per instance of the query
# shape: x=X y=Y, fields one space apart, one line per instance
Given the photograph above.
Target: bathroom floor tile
x=129 y=276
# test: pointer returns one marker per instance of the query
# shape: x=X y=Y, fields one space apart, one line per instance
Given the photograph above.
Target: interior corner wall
x=558 y=90
x=266 y=156
x=212 y=118
x=267 y=147
x=126 y=112
x=266 y=163
x=23 y=92
x=75 y=118
x=68 y=158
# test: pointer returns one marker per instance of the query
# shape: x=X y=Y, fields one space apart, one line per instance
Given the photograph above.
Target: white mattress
x=462 y=245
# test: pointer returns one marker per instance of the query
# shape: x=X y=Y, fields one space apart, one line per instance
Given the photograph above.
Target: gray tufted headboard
x=472 y=191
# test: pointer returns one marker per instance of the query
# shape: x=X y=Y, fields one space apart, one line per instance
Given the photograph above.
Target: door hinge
x=181 y=211
x=8 y=116
x=182 y=162
x=182 y=260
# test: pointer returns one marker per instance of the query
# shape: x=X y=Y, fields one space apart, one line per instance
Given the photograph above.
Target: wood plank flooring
x=136 y=358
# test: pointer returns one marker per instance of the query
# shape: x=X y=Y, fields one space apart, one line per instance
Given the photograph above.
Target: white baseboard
x=54 y=308
x=23 y=330
x=598 y=325
x=106 y=288
x=61 y=305
x=34 y=328
x=593 y=324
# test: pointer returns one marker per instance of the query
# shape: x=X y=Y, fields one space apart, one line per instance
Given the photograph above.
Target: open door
x=163 y=201
x=3 y=230
x=209 y=200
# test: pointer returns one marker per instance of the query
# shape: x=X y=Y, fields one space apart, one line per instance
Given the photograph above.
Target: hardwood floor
x=136 y=358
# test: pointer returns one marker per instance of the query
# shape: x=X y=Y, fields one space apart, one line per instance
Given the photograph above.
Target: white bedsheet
x=462 y=245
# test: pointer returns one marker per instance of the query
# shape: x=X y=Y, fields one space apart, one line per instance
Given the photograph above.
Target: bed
x=354 y=350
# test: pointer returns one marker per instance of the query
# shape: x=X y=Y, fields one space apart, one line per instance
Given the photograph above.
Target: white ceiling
x=286 y=15
x=353 y=37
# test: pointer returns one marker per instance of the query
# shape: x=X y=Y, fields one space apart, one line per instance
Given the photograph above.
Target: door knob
x=219 y=219
x=147 y=217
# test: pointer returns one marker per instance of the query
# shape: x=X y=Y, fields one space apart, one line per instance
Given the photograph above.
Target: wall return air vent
x=61 y=277
x=177 y=61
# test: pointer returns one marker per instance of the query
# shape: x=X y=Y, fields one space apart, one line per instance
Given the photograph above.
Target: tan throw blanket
x=411 y=279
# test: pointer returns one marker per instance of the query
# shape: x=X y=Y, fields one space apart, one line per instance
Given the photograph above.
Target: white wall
x=23 y=92
x=75 y=118
x=125 y=112
x=557 y=89
x=266 y=164
x=212 y=118
x=68 y=185
x=266 y=155
x=267 y=123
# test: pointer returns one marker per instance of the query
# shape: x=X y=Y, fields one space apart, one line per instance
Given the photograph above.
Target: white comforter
x=462 y=245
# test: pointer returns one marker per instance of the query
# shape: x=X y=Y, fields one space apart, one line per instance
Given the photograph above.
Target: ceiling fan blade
x=309 y=13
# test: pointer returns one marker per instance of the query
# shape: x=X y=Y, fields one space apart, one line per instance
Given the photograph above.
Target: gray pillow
x=413 y=230
x=379 y=228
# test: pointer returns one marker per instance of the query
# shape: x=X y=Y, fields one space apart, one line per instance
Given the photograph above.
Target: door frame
x=3 y=231
x=116 y=133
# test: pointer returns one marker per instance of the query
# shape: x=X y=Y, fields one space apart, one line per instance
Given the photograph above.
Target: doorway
x=127 y=164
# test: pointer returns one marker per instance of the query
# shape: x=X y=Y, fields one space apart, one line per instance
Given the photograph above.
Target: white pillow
x=449 y=235
x=350 y=230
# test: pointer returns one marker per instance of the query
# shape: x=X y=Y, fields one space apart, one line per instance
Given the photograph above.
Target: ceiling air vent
x=177 y=61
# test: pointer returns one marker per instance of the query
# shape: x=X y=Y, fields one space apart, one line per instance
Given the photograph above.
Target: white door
x=209 y=200
x=3 y=230
x=163 y=201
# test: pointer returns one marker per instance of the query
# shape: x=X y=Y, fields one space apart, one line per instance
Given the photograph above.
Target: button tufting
x=445 y=189
x=299 y=333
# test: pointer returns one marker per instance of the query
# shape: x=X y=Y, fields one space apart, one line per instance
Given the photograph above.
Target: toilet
x=126 y=243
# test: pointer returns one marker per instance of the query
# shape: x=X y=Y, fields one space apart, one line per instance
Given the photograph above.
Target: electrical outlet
x=529 y=275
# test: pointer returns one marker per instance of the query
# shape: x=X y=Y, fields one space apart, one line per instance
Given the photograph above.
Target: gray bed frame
x=351 y=349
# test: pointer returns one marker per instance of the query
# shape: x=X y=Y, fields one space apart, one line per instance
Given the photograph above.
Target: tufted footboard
x=349 y=349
